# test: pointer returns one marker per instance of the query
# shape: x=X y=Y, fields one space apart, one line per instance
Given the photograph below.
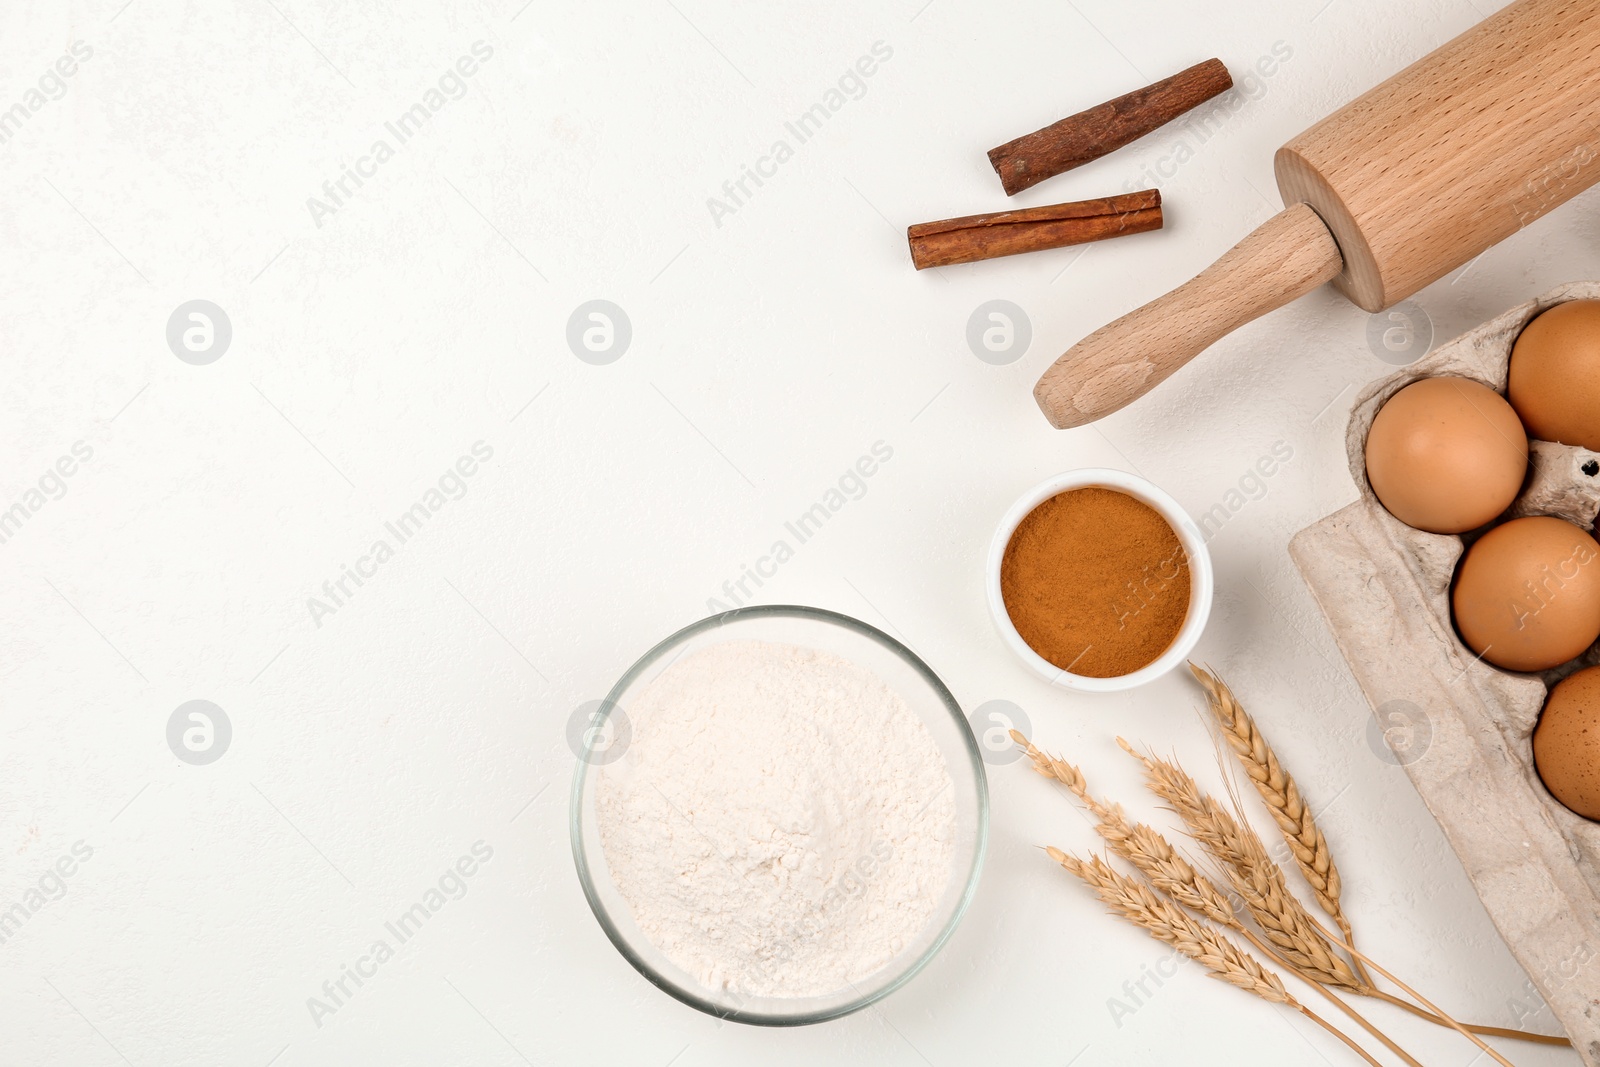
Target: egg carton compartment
x=1384 y=588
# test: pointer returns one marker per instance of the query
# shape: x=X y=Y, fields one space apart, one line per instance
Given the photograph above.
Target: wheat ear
x=1251 y=872
x=1141 y=845
x=1170 y=924
x=1166 y=869
x=1278 y=791
x=1169 y=872
x=1312 y=854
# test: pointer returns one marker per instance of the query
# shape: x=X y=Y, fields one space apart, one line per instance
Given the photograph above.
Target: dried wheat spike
x=1251 y=872
x=1141 y=845
x=1058 y=770
x=1168 y=923
x=1279 y=792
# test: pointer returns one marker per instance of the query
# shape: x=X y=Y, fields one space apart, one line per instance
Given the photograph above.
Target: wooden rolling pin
x=1397 y=188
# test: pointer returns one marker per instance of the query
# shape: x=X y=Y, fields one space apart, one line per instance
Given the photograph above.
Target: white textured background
x=769 y=352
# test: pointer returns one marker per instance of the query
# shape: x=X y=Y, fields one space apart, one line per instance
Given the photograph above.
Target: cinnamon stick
x=1090 y=134
x=1008 y=233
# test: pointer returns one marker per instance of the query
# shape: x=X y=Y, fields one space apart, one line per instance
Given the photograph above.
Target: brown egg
x=1527 y=595
x=1555 y=374
x=1566 y=743
x=1446 y=455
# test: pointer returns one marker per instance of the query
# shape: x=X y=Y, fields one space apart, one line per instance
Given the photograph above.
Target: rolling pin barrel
x=1452 y=155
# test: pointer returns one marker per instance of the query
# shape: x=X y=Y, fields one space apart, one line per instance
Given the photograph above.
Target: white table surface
x=771 y=346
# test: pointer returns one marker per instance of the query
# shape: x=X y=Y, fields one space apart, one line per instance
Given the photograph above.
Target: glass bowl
x=897 y=667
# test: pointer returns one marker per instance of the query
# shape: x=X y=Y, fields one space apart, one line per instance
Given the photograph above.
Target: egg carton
x=1385 y=590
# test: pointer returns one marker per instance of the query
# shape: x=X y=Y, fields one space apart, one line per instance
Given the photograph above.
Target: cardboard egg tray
x=1385 y=590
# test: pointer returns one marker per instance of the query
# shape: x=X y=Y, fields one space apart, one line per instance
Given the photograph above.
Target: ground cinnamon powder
x=1096 y=582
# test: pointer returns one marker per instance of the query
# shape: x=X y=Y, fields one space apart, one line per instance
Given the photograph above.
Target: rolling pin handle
x=1285 y=257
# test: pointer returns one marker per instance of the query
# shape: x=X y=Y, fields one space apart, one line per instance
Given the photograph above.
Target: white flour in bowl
x=782 y=823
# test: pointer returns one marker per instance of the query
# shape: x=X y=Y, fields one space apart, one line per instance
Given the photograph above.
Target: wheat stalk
x=1166 y=869
x=1170 y=924
x=1313 y=857
x=1238 y=849
x=1138 y=903
x=1466 y=1032
x=1282 y=797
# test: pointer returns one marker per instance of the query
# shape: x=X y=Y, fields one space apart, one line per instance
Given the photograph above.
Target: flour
x=782 y=824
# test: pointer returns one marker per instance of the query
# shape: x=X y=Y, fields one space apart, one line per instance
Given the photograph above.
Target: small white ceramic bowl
x=1189 y=535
